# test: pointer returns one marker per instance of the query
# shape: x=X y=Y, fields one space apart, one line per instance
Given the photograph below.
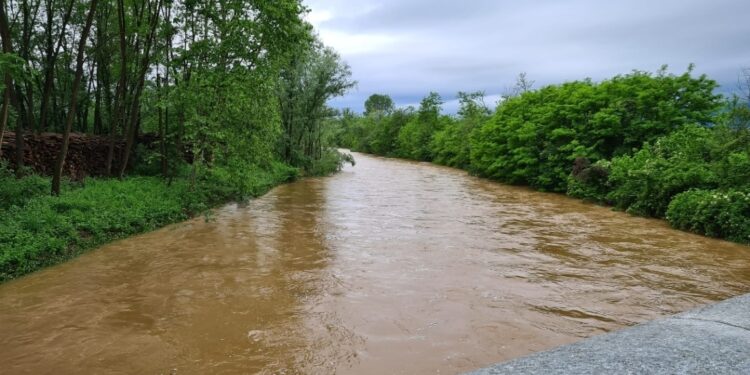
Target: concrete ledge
x=711 y=340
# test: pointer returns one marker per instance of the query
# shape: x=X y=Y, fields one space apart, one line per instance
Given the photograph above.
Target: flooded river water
x=389 y=267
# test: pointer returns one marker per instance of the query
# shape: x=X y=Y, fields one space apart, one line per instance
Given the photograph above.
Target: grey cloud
x=448 y=46
x=400 y=15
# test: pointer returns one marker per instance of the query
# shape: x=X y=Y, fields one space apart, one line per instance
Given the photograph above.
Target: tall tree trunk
x=102 y=100
x=10 y=86
x=4 y=118
x=106 y=86
x=135 y=99
x=57 y=176
x=98 y=106
x=52 y=52
x=162 y=130
x=167 y=55
x=121 y=89
x=28 y=21
x=20 y=144
x=83 y=121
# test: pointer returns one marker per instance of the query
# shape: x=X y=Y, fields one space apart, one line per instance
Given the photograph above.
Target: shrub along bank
x=40 y=230
x=658 y=145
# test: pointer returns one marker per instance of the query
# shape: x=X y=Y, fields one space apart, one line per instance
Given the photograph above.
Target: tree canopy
x=221 y=81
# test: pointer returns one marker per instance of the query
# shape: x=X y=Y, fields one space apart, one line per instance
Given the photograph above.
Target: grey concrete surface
x=710 y=340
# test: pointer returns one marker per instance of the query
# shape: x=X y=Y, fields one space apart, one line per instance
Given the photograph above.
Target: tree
x=52 y=52
x=10 y=87
x=378 y=103
x=152 y=12
x=57 y=176
x=317 y=75
x=450 y=146
x=415 y=137
x=523 y=85
x=11 y=66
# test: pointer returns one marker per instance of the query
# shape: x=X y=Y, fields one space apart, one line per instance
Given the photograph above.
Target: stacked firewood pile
x=87 y=154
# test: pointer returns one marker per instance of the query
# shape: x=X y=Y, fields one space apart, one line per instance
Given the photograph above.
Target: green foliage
x=450 y=146
x=47 y=230
x=377 y=133
x=15 y=192
x=15 y=67
x=735 y=114
x=330 y=162
x=147 y=161
x=590 y=181
x=44 y=230
x=377 y=103
x=347 y=131
x=692 y=157
x=317 y=75
x=416 y=135
x=645 y=182
x=534 y=138
x=240 y=181
x=716 y=213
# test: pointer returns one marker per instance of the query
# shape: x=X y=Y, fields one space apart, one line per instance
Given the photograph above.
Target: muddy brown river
x=389 y=267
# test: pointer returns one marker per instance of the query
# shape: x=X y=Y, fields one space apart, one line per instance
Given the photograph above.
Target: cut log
x=87 y=154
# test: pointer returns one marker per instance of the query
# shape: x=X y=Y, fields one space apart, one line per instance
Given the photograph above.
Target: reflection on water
x=387 y=267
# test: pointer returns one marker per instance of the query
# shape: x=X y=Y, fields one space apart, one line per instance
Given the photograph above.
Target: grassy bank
x=39 y=230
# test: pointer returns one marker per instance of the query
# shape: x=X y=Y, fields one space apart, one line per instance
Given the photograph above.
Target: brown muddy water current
x=390 y=267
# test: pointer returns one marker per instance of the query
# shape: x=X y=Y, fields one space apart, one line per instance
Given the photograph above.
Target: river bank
x=39 y=230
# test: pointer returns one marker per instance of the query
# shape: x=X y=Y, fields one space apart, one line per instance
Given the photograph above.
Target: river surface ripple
x=389 y=267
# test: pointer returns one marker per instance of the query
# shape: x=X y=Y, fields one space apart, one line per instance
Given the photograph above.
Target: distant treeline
x=658 y=145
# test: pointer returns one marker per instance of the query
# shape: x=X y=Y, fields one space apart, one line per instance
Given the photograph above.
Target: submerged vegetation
x=658 y=145
x=232 y=95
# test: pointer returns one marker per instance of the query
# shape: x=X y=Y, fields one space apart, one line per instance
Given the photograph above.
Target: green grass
x=37 y=230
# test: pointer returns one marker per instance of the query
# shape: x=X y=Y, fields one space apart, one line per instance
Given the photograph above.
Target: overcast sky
x=406 y=48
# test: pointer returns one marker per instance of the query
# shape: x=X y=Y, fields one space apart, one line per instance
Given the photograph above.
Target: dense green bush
x=716 y=213
x=533 y=139
x=646 y=182
x=15 y=192
x=450 y=146
x=383 y=138
x=331 y=161
x=732 y=156
x=590 y=181
x=349 y=132
x=415 y=137
x=242 y=181
x=49 y=229
x=694 y=157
